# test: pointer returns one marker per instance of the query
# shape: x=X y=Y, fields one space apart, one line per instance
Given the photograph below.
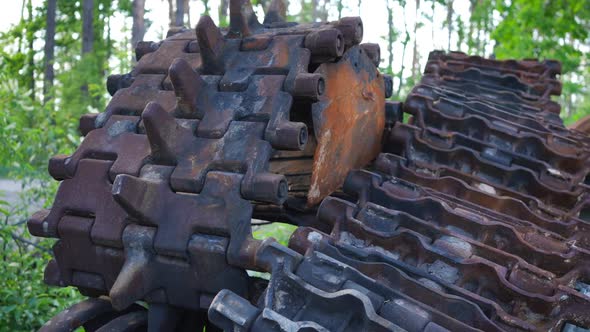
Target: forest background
x=55 y=56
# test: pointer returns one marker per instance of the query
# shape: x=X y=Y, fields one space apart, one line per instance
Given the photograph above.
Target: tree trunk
x=187 y=7
x=570 y=104
x=323 y=10
x=450 y=22
x=49 y=50
x=404 y=48
x=138 y=29
x=87 y=33
x=433 y=8
x=31 y=52
x=179 y=13
x=22 y=19
x=390 y=37
x=470 y=39
x=171 y=12
x=87 y=26
x=276 y=11
x=104 y=63
x=415 y=55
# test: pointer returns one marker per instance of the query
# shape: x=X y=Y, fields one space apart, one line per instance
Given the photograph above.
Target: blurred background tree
x=55 y=57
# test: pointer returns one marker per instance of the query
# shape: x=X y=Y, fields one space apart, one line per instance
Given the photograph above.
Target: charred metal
x=471 y=215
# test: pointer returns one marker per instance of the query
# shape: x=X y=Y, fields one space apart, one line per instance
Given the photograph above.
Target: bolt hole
x=359 y=32
x=339 y=43
x=321 y=86
x=283 y=189
x=303 y=136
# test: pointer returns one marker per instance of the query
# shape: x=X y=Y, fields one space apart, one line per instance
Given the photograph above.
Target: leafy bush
x=26 y=302
x=30 y=137
x=278 y=231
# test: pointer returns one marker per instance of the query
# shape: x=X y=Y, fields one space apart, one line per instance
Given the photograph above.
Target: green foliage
x=31 y=132
x=125 y=6
x=30 y=136
x=556 y=29
x=27 y=303
x=544 y=29
x=278 y=231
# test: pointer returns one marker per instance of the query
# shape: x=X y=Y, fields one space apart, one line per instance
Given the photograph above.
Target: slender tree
x=109 y=43
x=432 y=9
x=171 y=12
x=450 y=14
x=179 y=18
x=138 y=28
x=87 y=33
x=470 y=39
x=403 y=59
x=415 y=55
x=31 y=52
x=187 y=7
x=276 y=9
x=49 y=49
x=22 y=19
x=87 y=26
x=323 y=11
x=390 y=36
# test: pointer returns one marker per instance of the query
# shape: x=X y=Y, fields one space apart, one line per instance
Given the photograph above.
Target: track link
x=471 y=216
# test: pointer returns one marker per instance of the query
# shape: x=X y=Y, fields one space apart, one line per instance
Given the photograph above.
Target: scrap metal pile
x=472 y=214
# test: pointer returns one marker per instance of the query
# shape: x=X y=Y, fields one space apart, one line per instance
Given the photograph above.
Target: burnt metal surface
x=348 y=117
x=473 y=215
x=472 y=218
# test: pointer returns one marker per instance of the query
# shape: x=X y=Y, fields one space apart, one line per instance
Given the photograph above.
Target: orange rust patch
x=348 y=121
x=279 y=55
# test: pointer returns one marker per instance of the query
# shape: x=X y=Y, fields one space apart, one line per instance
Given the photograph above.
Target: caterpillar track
x=472 y=215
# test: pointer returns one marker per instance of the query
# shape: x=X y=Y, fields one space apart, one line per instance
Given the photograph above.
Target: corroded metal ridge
x=455 y=267
x=533 y=69
x=540 y=90
x=472 y=216
x=449 y=140
x=483 y=196
x=340 y=298
x=342 y=119
x=470 y=99
x=547 y=149
x=156 y=203
x=487 y=168
x=489 y=218
x=527 y=240
x=531 y=243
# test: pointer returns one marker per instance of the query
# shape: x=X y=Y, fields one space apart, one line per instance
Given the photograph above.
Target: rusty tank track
x=471 y=216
